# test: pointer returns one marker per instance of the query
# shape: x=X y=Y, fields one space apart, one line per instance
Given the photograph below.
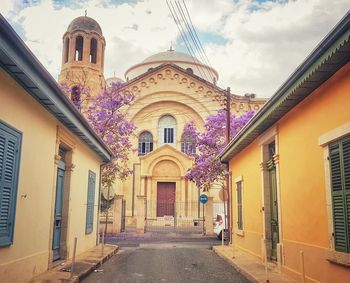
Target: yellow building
x=49 y=167
x=290 y=169
x=171 y=89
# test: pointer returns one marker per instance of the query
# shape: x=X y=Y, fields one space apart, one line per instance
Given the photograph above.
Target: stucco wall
x=246 y=166
x=302 y=182
x=29 y=254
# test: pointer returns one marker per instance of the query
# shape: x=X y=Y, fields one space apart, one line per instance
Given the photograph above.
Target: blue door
x=56 y=241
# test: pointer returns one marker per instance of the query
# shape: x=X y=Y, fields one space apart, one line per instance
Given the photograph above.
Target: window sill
x=338 y=258
x=240 y=232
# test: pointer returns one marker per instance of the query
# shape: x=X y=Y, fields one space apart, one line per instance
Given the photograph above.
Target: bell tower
x=83 y=57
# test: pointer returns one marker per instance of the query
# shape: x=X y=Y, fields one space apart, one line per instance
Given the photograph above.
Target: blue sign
x=203 y=198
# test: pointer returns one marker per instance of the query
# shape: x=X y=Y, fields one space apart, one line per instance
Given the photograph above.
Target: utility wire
x=183 y=34
x=197 y=44
x=196 y=35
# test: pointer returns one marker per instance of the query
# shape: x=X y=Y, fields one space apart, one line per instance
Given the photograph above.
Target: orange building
x=290 y=169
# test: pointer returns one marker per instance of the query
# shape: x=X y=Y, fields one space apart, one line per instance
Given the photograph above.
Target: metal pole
x=228 y=124
x=203 y=220
x=103 y=244
x=107 y=209
x=302 y=269
x=266 y=269
x=73 y=259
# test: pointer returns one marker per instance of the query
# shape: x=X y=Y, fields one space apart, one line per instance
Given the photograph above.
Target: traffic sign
x=203 y=198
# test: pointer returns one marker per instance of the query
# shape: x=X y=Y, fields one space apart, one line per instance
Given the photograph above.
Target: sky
x=253 y=44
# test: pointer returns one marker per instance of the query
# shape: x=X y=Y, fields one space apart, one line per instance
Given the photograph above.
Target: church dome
x=190 y=64
x=84 y=23
x=171 y=56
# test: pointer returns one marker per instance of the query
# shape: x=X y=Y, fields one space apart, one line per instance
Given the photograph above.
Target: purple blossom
x=207 y=168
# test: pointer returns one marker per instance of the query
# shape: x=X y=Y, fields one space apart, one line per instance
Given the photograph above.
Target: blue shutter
x=90 y=203
x=10 y=141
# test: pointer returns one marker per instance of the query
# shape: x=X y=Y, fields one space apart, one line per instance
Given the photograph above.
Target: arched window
x=189 y=70
x=93 y=51
x=188 y=145
x=75 y=95
x=79 y=43
x=167 y=130
x=66 y=50
x=145 y=143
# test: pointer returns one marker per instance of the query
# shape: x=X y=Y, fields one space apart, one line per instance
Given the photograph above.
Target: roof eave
x=298 y=86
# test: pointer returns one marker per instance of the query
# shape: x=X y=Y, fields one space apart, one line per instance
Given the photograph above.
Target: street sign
x=223 y=195
x=203 y=198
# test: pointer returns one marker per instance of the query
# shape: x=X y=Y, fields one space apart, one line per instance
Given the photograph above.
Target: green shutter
x=9 y=165
x=90 y=203
x=339 y=155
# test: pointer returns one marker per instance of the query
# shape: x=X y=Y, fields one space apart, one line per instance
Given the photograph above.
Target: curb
x=93 y=266
x=245 y=273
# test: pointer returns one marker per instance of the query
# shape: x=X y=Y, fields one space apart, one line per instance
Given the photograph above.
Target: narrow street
x=190 y=261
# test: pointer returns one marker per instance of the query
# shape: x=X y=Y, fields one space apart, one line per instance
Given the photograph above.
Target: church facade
x=171 y=88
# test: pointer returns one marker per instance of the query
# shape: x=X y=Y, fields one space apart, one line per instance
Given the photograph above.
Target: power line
x=183 y=34
x=196 y=35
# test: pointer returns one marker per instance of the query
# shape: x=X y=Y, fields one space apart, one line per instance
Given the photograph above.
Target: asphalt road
x=166 y=262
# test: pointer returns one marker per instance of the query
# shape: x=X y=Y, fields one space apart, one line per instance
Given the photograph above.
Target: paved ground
x=177 y=261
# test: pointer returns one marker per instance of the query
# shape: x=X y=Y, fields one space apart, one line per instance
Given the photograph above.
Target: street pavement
x=166 y=261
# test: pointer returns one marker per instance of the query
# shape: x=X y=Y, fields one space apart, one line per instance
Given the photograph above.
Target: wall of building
x=303 y=184
x=302 y=175
x=246 y=167
x=30 y=252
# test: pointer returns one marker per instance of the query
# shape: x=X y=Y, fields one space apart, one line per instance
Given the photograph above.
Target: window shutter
x=90 y=203
x=346 y=170
x=9 y=166
x=339 y=155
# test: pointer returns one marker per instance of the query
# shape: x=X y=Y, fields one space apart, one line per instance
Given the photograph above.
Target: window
x=188 y=145
x=339 y=157
x=10 y=144
x=239 y=205
x=79 y=43
x=93 y=51
x=90 y=203
x=167 y=130
x=145 y=143
x=189 y=70
x=168 y=135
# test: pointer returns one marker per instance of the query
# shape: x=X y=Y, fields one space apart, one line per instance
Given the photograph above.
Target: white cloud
x=263 y=43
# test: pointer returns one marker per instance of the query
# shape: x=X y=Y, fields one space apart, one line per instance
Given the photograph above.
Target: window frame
x=324 y=140
x=239 y=206
x=142 y=144
x=89 y=224
x=8 y=240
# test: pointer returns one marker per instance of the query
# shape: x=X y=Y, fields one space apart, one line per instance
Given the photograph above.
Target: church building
x=171 y=88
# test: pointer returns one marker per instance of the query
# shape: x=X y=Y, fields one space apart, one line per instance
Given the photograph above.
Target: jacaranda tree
x=207 y=169
x=106 y=116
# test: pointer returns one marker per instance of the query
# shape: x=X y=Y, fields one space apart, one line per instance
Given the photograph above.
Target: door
x=56 y=240
x=165 y=199
x=273 y=202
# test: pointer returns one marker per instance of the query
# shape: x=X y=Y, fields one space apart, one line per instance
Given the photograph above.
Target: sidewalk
x=85 y=263
x=252 y=268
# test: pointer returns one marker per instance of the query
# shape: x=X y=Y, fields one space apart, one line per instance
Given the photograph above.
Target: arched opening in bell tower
x=66 y=50
x=79 y=43
x=93 y=51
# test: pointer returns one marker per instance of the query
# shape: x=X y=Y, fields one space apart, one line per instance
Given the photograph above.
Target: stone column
x=117 y=214
x=142 y=186
x=140 y=214
x=209 y=228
